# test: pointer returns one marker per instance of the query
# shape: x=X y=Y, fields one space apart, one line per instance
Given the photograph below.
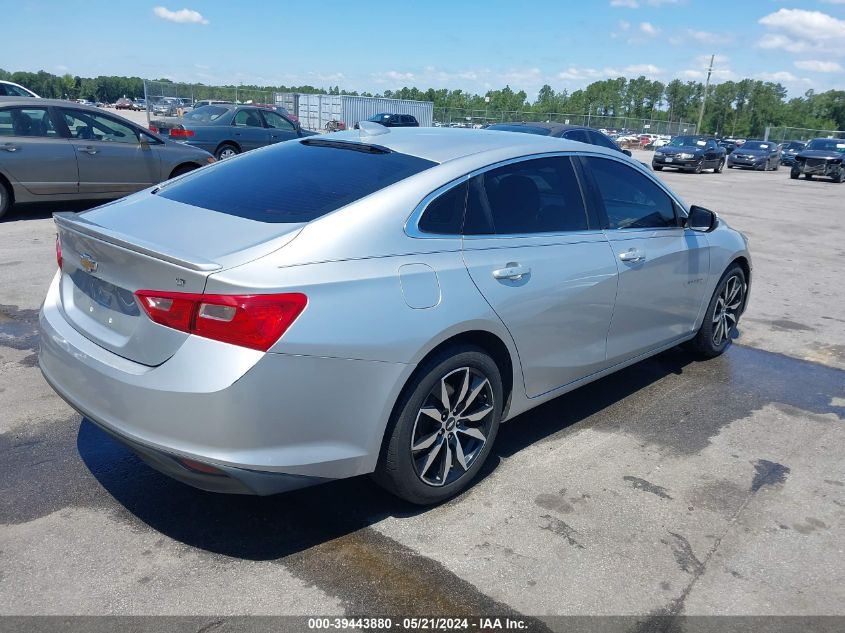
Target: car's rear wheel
x=226 y=150
x=5 y=199
x=722 y=314
x=443 y=427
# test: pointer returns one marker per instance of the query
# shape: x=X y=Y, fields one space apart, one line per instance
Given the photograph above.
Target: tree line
x=743 y=107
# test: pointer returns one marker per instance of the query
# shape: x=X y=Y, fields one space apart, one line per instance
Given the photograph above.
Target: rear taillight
x=177 y=133
x=254 y=321
x=153 y=129
x=59 y=251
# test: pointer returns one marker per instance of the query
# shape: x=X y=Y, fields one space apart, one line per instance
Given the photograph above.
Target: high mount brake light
x=254 y=321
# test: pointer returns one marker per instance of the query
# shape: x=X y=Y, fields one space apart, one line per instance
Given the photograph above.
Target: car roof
x=28 y=101
x=443 y=144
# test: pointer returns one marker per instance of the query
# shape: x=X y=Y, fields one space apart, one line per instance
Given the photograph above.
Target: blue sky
x=475 y=46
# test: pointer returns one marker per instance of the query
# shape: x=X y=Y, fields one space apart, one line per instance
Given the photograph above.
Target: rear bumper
x=270 y=422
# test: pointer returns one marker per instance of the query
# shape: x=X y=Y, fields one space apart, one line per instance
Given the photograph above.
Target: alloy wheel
x=726 y=312
x=452 y=426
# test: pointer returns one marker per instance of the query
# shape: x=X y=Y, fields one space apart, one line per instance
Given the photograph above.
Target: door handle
x=89 y=150
x=10 y=148
x=512 y=271
x=632 y=255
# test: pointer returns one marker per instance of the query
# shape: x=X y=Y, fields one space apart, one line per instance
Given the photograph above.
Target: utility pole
x=704 y=97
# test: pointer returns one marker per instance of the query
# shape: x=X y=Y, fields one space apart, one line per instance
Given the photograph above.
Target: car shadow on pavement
x=268 y=528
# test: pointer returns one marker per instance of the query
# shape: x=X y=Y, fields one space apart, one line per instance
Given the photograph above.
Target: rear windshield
x=294 y=182
x=205 y=114
x=527 y=129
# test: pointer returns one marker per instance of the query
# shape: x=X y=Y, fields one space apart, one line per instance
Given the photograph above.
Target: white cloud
x=182 y=16
x=647 y=28
x=628 y=4
x=798 y=31
x=818 y=66
x=574 y=73
x=781 y=75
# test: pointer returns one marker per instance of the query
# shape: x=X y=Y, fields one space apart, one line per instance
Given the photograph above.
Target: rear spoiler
x=74 y=222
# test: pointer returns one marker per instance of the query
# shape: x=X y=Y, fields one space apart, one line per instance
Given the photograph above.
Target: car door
x=249 y=131
x=34 y=153
x=543 y=266
x=662 y=266
x=712 y=153
x=279 y=127
x=109 y=153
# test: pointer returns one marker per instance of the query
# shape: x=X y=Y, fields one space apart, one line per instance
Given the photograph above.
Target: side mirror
x=701 y=220
x=144 y=141
x=627 y=152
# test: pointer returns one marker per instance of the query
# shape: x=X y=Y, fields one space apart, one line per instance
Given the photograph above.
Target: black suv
x=821 y=157
x=393 y=120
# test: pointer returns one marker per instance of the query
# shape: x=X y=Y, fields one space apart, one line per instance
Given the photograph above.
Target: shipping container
x=315 y=111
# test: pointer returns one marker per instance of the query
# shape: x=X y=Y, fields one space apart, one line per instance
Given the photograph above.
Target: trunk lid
x=146 y=242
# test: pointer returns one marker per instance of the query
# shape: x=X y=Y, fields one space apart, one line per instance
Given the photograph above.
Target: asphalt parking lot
x=673 y=487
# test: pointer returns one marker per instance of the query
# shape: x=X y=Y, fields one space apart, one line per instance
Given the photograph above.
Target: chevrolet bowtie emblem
x=88 y=263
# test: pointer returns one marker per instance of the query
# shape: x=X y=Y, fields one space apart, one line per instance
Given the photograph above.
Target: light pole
x=704 y=97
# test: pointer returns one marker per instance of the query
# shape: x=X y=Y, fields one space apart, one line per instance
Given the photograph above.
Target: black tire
x=226 y=150
x=398 y=470
x=5 y=199
x=794 y=173
x=657 y=167
x=718 y=168
x=711 y=340
x=183 y=169
x=808 y=176
x=697 y=169
x=837 y=177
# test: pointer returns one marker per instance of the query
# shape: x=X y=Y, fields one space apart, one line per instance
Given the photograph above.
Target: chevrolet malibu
x=377 y=302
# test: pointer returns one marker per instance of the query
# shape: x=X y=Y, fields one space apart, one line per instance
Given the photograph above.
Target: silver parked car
x=54 y=150
x=374 y=302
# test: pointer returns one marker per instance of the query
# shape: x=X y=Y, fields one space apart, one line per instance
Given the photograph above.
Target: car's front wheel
x=443 y=427
x=657 y=167
x=722 y=314
x=718 y=169
x=794 y=172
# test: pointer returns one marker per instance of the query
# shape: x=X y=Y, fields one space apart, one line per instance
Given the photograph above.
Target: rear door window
x=27 y=122
x=577 y=135
x=533 y=196
x=247 y=118
x=294 y=182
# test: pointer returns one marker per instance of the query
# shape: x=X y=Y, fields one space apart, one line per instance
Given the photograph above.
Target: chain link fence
x=781 y=134
x=458 y=117
x=165 y=98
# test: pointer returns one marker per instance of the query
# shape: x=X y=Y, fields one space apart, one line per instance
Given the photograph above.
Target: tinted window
x=597 y=138
x=540 y=131
x=534 y=196
x=14 y=91
x=95 y=127
x=26 y=122
x=827 y=145
x=758 y=145
x=445 y=214
x=247 y=118
x=688 y=141
x=294 y=181
x=631 y=199
x=577 y=135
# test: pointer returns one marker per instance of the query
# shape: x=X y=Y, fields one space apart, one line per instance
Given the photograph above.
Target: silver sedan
x=375 y=302
x=53 y=150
